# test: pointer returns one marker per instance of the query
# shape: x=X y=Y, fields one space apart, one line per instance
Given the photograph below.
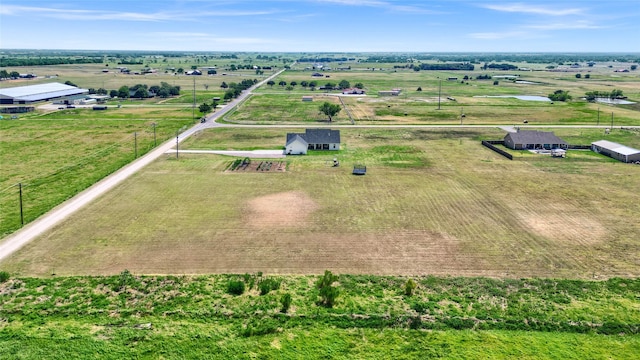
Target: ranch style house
x=534 y=140
x=312 y=139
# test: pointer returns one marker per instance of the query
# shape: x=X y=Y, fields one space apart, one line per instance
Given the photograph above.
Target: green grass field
x=432 y=202
x=58 y=154
x=195 y=317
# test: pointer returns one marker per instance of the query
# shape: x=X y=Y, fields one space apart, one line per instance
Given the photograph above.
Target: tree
x=113 y=93
x=4 y=74
x=66 y=82
x=419 y=88
x=587 y=76
x=330 y=109
x=289 y=87
x=282 y=83
x=293 y=83
x=15 y=75
x=204 y=108
x=578 y=76
x=633 y=67
x=141 y=93
x=123 y=92
x=328 y=293
x=180 y=70
x=560 y=95
x=214 y=105
x=496 y=82
x=224 y=85
x=344 y=84
x=358 y=86
x=271 y=83
x=304 y=83
x=313 y=84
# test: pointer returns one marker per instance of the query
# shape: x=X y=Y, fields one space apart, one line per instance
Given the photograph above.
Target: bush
x=4 y=276
x=328 y=292
x=235 y=287
x=409 y=287
x=285 y=300
x=269 y=284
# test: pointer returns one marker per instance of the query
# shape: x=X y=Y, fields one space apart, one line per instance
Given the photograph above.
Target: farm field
x=432 y=202
x=373 y=316
x=58 y=154
x=442 y=102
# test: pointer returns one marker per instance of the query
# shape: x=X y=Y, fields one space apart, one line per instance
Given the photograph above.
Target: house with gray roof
x=534 y=140
x=313 y=139
x=616 y=151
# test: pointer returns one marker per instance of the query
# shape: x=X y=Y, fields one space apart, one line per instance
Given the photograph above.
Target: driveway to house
x=260 y=154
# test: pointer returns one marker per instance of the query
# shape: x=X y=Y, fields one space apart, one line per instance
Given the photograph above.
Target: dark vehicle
x=203 y=120
x=70 y=107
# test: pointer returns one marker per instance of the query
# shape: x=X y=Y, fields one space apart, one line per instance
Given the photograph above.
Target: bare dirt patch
x=288 y=209
x=565 y=227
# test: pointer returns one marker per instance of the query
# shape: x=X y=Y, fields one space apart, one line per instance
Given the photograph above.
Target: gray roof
x=291 y=137
x=322 y=136
x=41 y=92
x=615 y=147
x=534 y=137
x=317 y=136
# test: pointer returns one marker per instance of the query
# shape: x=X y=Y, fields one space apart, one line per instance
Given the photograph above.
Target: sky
x=322 y=25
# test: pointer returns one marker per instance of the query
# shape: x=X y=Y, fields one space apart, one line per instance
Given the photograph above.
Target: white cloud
x=565 y=26
x=93 y=15
x=382 y=4
x=533 y=9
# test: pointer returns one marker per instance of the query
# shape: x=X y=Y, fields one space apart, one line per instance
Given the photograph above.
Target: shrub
x=328 y=292
x=409 y=287
x=235 y=287
x=4 y=276
x=269 y=284
x=285 y=300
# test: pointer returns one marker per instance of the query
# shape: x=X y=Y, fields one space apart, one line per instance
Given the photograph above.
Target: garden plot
x=248 y=165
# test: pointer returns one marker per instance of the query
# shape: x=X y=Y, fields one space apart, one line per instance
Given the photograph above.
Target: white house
x=296 y=145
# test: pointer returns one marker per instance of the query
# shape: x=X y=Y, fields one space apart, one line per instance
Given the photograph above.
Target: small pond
x=614 y=101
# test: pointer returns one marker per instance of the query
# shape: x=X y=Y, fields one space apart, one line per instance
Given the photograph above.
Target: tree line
x=37 y=61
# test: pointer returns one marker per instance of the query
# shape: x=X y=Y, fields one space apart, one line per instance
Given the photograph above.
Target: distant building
x=312 y=139
x=534 y=140
x=34 y=93
x=393 y=92
x=353 y=91
x=616 y=151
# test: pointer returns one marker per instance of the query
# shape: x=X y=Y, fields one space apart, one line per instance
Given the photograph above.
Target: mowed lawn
x=432 y=202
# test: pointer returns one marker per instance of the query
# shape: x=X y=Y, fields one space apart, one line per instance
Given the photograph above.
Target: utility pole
x=154 y=134
x=612 y=120
x=135 y=143
x=21 y=213
x=193 y=108
x=461 y=114
x=177 y=143
x=598 y=124
x=439 y=93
